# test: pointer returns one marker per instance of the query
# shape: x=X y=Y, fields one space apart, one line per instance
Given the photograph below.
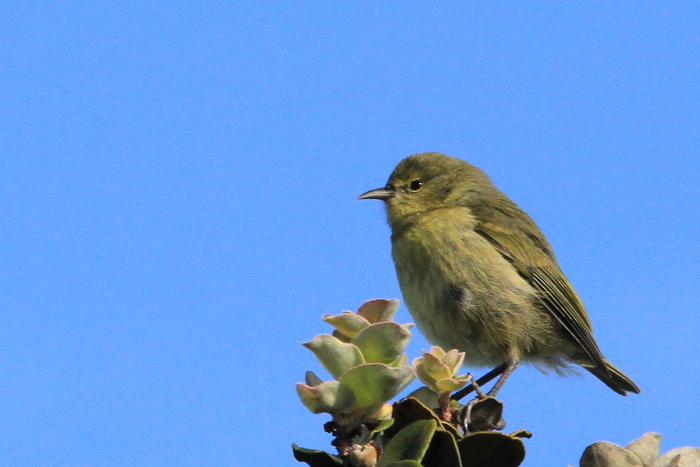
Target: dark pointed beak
x=378 y=193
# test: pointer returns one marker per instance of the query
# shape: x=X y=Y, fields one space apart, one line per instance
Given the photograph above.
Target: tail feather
x=614 y=379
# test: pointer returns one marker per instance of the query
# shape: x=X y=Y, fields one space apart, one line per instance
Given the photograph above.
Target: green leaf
x=410 y=443
x=604 y=453
x=680 y=457
x=491 y=449
x=374 y=384
x=428 y=397
x=442 y=451
x=435 y=367
x=647 y=448
x=376 y=311
x=347 y=322
x=405 y=464
x=454 y=360
x=330 y=397
x=408 y=411
x=400 y=361
x=316 y=458
x=383 y=424
x=423 y=374
x=486 y=415
x=450 y=384
x=311 y=379
x=450 y=428
x=382 y=342
x=335 y=356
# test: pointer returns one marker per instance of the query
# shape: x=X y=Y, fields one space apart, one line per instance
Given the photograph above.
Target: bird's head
x=427 y=181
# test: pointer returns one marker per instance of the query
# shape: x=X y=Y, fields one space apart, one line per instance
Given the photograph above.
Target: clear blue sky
x=178 y=185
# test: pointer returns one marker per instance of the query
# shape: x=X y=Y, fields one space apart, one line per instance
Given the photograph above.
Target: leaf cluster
x=419 y=437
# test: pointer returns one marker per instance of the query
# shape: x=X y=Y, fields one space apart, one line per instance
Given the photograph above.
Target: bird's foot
x=510 y=368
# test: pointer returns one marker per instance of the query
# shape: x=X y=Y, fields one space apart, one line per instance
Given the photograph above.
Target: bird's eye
x=415 y=185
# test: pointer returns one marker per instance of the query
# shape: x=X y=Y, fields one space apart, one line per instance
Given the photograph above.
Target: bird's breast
x=460 y=291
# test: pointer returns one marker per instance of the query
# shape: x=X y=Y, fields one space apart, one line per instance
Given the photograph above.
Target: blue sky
x=178 y=185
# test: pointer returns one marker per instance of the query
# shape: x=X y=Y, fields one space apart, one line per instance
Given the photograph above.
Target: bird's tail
x=614 y=379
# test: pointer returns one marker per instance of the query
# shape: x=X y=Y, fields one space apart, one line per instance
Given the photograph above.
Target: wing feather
x=524 y=246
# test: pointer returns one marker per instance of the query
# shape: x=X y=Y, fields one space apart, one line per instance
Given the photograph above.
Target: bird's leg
x=511 y=365
x=481 y=381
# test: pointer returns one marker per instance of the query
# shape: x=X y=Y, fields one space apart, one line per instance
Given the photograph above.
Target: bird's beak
x=378 y=193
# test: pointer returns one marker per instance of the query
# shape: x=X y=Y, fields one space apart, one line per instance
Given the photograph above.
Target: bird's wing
x=524 y=246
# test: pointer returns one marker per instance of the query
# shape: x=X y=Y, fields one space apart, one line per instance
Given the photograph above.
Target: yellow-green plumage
x=478 y=275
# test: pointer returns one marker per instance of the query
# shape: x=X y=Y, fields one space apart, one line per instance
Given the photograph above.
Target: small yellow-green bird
x=478 y=275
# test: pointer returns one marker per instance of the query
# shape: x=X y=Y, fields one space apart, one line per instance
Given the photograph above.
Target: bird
x=478 y=275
